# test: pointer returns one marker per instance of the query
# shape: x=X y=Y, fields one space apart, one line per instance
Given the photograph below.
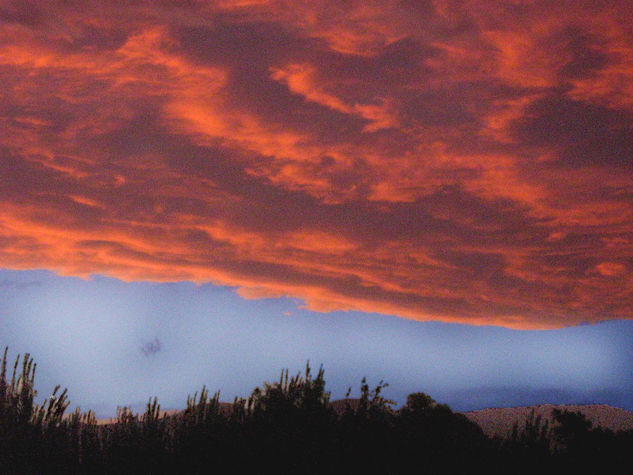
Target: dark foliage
x=288 y=426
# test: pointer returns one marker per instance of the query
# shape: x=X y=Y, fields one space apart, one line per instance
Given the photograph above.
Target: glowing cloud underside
x=456 y=161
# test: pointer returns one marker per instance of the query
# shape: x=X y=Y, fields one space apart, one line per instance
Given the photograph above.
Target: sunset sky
x=437 y=193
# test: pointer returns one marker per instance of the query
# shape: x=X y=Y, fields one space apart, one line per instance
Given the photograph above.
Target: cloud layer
x=457 y=161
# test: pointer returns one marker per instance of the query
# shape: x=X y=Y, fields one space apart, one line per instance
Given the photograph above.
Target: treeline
x=288 y=426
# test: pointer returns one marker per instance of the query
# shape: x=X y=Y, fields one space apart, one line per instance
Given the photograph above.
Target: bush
x=284 y=427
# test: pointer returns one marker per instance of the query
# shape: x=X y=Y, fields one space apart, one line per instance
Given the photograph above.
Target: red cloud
x=462 y=162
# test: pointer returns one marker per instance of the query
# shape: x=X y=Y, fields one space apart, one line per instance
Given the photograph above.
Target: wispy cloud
x=463 y=161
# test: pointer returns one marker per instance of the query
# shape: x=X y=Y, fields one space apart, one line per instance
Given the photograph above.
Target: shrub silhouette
x=437 y=437
x=577 y=443
x=287 y=426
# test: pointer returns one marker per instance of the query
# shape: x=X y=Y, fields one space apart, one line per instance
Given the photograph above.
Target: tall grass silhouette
x=287 y=426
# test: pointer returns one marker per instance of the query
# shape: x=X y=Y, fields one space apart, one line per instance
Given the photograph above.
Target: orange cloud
x=456 y=161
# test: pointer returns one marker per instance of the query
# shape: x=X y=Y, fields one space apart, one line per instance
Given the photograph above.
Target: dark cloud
x=582 y=134
x=22 y=12
x=586 y=54
x=150 y=348
x=456 y=162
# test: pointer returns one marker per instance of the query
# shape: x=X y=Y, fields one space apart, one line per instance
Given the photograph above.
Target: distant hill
x=494 y=421
x=499 y=421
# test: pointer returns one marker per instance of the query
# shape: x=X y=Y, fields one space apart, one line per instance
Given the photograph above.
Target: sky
x=435 y=193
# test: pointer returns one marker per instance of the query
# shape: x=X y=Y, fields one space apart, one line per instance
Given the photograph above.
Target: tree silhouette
x=286 y=426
